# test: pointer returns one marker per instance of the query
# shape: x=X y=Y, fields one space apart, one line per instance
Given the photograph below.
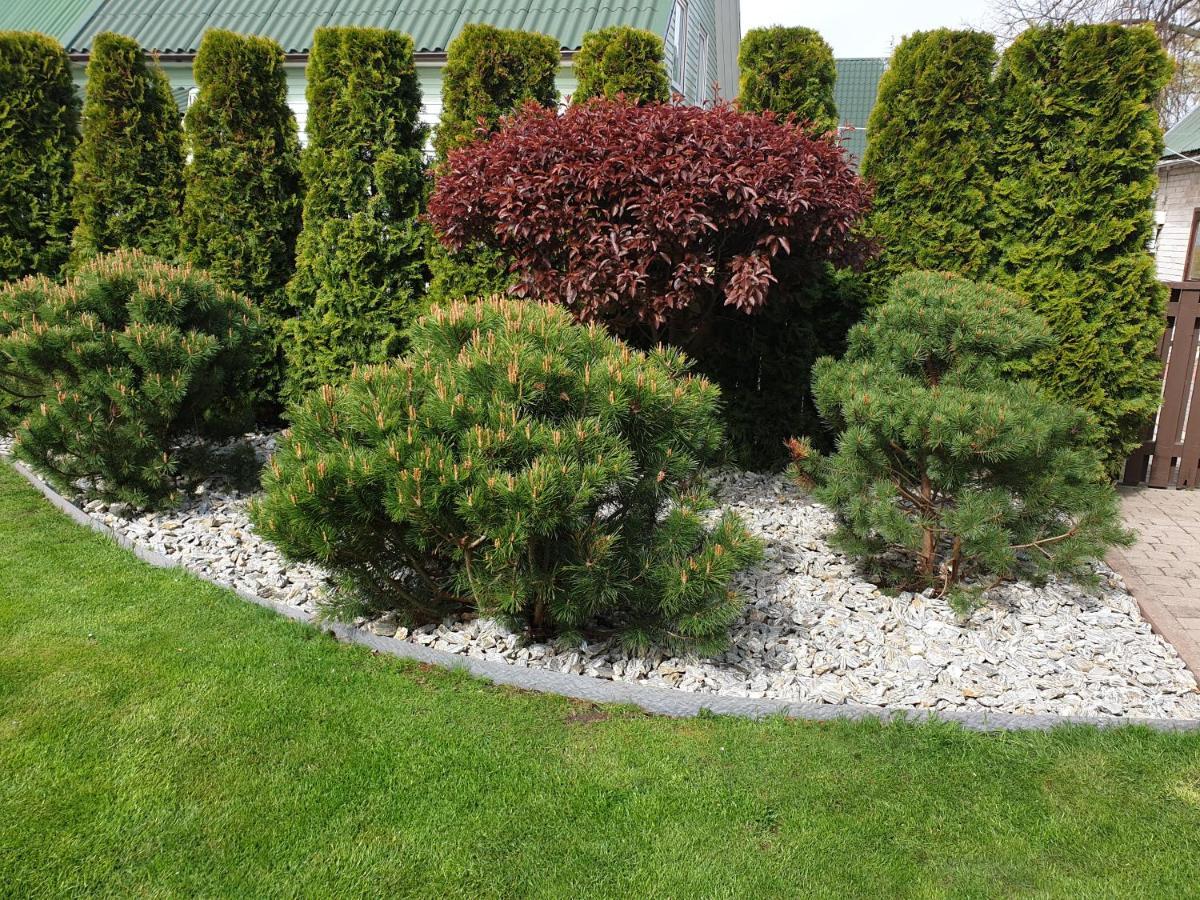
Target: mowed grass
x=160 y=737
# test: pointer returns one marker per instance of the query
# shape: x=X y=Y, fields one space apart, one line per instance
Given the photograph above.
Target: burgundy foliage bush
x=651 y=217
x=713 y=230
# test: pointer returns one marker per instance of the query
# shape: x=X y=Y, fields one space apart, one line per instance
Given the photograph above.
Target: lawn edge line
x=660 y=701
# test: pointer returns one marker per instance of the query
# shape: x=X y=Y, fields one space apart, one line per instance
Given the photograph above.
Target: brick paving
x=1163 y=568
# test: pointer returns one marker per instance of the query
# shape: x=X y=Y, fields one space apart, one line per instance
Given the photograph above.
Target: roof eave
x=437 y=57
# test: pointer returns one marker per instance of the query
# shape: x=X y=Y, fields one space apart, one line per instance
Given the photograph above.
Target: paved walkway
x=1163 y=568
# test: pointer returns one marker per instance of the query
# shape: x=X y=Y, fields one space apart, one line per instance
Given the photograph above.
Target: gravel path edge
x=660 y=701
x=1160 y=616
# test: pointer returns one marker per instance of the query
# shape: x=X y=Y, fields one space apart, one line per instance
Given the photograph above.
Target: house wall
x=729 y=39
x=699 y=75
x=1178 y=196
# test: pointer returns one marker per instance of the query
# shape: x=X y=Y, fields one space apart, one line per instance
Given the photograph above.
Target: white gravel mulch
x=813 y=629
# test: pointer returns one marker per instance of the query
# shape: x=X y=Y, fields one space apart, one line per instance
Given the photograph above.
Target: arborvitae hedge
x=39 y=128
x=788 y=71
x=360 y=269
x=1077 y=141
x=621 y=60
x=128 y=185
x=929 y=154
x=490 y=72
x=241 y=210
x=478 y=272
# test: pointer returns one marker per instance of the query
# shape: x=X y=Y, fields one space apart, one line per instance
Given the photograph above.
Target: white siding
x=696 y=81
x=728 y=37
x=1179 y=197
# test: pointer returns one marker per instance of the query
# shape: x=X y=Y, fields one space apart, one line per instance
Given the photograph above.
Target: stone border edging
x=1162 y=621
x=661 y=701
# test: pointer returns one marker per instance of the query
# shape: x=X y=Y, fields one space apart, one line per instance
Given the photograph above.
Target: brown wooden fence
x=1170 y=456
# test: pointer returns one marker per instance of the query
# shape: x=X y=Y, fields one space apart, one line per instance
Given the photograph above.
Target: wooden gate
x=1171 y=454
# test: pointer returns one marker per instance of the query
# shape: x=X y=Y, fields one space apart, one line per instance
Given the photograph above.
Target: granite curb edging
x=660 y=701
x=1162 y=620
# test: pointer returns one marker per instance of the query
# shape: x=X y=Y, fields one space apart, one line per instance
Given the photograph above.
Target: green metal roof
x=60 y=19
x=1184 y=137
x=854 y=94
x=176 y=26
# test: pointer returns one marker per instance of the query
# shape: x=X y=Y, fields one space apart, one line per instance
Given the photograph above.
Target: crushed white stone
x=813 y=628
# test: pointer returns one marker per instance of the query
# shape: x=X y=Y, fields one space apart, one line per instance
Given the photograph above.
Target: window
x=1191 y=265
x=679 y=13
x=704 y=86
x=192 y=94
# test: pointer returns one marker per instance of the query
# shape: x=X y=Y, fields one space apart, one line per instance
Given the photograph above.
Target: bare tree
x=1177 y=23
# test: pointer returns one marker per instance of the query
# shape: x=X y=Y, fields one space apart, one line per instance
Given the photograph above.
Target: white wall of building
x=1177 y=199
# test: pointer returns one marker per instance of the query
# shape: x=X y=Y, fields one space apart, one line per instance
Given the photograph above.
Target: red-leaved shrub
x=635 y=214
x=678 y=224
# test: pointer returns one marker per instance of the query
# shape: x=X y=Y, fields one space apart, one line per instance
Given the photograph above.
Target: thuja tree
x=514 y=464
x=241 y=211
x=128 y=185
x=951 y=471
x=473 y=272
x=360 y=267
x=621 y=60
x=929 y=155
x=1076 y=143
x=647 y=218
x=489 y=73
x=39 y=128
x=132 y=357
x=789 y=71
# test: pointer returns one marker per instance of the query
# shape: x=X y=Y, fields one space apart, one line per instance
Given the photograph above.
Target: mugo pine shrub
x=519 y=465
x=39 y=128
x=950 y=467
x=133 y=355
x=789 y=71
x=621 y=60
x=128 y=184
x=1077 y=142
x=650 y=220
x=930 y=154
x=360 y=268
x=242 y=206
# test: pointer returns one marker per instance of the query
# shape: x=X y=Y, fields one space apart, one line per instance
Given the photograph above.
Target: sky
x=865 y=27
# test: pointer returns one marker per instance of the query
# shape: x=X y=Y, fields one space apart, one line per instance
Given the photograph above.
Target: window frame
x=703 y=52
x=679 y=15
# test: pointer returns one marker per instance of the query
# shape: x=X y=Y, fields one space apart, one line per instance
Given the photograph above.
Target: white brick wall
x=1179 y=195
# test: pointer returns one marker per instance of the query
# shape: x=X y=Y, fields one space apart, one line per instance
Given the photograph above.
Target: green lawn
x=159 y=737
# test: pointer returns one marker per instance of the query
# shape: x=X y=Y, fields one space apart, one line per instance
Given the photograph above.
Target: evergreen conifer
x=621 y=60
x=1077 y=142
x=360 y=269
x=39 y=128
x=929 y=155
x=950 y=467
x=789 y=71
x=128 y=184
x=132 y=357
x=515 y=464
